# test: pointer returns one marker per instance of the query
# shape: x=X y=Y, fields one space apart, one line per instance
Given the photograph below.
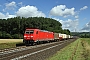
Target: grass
x=86 y=45
x=10 y=40
x=78 y=50
x=9 y=43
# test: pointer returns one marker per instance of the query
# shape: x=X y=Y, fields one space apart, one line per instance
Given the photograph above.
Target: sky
x=72 y=14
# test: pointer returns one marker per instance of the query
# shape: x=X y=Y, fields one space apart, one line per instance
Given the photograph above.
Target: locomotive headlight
x=31 y=36
x=25 y=36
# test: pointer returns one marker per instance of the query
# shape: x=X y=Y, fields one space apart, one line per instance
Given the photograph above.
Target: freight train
x=32 y=36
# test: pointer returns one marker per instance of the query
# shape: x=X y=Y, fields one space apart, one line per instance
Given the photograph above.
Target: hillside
x=81 y=34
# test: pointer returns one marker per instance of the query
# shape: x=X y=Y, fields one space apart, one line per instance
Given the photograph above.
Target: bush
x=8 y=36
x=5 y=35
x=17 y=36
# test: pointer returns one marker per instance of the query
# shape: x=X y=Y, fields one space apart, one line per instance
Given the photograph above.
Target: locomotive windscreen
x=29 y=31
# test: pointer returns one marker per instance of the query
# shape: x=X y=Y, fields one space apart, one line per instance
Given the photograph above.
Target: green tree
x=15 y=27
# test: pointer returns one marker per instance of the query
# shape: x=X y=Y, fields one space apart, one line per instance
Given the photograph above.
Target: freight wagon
x=57 y=36
x=64 y=36
x=68 y=36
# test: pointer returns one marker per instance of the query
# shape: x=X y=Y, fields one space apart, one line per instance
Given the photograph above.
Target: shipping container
x=64 y=36
x=56 y=36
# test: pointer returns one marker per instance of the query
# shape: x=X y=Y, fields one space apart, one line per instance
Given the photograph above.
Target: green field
x=9 y=43
x=78 y=50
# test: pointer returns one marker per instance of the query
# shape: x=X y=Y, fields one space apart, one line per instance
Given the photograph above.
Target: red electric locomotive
x=32 y=36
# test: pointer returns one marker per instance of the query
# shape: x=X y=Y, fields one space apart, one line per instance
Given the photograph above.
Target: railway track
x=24 y=51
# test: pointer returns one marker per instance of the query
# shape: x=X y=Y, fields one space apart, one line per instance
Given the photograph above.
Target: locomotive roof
x=36 y=29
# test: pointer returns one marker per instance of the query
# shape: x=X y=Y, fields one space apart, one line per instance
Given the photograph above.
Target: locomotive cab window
x=37 y=32
x=29 y=31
